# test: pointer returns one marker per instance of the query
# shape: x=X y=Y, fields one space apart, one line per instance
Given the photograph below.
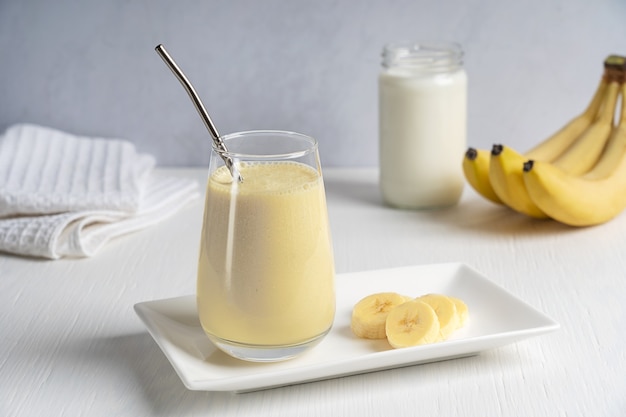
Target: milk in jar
x=422 y=124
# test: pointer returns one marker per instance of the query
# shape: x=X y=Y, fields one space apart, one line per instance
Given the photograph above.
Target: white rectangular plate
x=496 y=318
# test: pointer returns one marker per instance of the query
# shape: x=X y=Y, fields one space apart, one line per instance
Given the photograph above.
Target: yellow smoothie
x=266 y=273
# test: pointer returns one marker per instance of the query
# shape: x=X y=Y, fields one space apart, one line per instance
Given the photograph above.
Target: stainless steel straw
x=219 y=143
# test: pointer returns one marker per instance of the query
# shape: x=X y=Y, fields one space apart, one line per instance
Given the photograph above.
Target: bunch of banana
x=585 y=200
x=586 y=150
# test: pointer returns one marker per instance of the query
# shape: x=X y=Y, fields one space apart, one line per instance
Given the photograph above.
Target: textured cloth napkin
x=66 y=195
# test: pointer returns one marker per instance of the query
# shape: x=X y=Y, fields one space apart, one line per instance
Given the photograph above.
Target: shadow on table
x=471 y=214
x=488 y=218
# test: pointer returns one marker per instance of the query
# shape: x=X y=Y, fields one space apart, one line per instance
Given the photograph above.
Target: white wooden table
x=71 y=344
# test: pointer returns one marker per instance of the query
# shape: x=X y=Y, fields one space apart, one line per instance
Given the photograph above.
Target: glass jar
x=423 y=124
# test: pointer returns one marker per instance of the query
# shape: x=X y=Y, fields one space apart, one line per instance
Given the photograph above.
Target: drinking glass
x=265 y=287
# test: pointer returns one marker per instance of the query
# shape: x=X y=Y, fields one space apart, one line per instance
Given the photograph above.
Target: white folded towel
x=65 y=195
x=44 y=170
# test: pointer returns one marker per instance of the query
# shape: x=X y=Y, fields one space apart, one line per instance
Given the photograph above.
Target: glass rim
x=313 y=145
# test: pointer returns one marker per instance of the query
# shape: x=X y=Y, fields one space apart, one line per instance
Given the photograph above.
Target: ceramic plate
x=496 y=318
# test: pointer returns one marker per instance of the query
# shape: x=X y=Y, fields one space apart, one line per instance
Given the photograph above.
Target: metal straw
x=219 y=143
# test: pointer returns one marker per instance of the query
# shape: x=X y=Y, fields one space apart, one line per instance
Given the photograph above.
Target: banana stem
x=615 y=68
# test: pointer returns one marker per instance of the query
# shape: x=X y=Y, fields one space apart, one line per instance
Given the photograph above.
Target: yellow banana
x=476 y=161
x=406 y=321
x=506 y=165
x=370 y=314
x=446 y=312
x=611 y=157
x=555 y=145
x=461 y=310
x=583 y=154
x=505 y=175
x=615 y=147
x=476 y=169
x=412 y=323
x=587 y=200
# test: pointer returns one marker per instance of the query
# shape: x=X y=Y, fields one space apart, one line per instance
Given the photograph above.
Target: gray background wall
x=89 y=67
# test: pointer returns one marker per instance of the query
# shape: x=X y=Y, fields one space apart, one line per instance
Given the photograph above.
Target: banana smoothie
x=266 y=274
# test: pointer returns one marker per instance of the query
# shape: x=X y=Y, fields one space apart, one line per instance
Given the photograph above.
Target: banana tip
x=497 y=149
x=471 y=154
x=528 y=165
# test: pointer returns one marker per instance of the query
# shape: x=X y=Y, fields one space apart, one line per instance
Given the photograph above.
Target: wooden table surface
x=71 y=344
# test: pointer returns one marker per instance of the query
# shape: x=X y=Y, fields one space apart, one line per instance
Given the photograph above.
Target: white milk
x=423 y=119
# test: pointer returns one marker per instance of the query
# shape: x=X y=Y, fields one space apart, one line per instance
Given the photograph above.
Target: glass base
x=263 y=353
x=413 y=198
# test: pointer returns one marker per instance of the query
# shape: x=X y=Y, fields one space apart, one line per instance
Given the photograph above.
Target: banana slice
x=412 y=323
x=446 y=312
x=461 y=310
x=370 y=313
